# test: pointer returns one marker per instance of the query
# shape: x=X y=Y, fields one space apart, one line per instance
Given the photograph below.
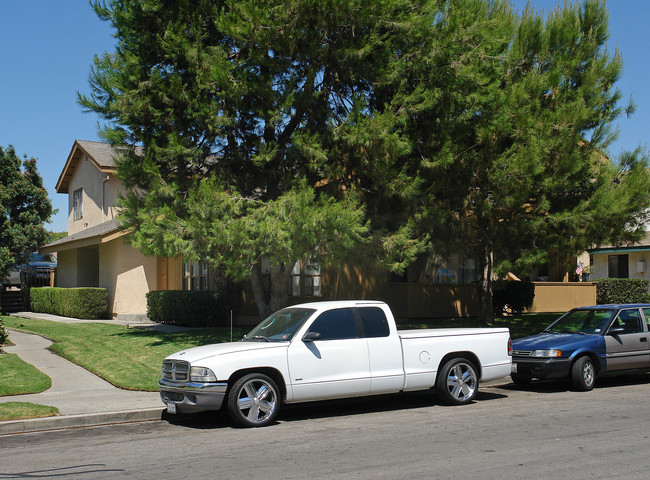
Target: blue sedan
x=585 y=343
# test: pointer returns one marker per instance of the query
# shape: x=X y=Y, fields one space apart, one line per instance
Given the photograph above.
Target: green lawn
x=19 y=378
x=129 y=358
x=20 y=410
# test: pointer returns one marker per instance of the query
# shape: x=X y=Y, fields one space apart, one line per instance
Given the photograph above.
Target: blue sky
x=47 y=50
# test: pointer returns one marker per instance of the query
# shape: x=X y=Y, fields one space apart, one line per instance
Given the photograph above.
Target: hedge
x=85 y=302
x=621 y=290
x=189 y=308
x=512 y=296
x=4 y=335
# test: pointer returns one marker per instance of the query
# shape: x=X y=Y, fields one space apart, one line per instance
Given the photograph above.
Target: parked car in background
x=37 y=270
x=12 y=280
x=586 y=343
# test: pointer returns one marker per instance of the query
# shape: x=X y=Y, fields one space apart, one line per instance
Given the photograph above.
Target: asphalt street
x=543 y=431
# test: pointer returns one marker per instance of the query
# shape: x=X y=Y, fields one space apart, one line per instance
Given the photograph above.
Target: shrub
x=4 y=335
x=512 y=296
x=189 y=308
x=621 y=290
x=86 y=302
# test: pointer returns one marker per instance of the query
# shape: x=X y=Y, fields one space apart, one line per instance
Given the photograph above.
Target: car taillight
x=510 y=347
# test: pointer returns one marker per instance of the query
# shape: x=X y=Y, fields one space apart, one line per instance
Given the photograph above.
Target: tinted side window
x=374 y=322
x=335 y=324
x=646 y=312
x=630 y=320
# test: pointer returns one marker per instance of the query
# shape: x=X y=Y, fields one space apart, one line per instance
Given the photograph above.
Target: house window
x=618 y=266
x=304 y=279
x=77 y=203
x=195 y=275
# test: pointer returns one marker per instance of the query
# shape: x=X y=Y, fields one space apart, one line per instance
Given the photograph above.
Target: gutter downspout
x=104 y=212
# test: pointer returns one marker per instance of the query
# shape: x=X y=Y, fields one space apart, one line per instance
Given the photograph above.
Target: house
x=96 y=253
x=621 y=261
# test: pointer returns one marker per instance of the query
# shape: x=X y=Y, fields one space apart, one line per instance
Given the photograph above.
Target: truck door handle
x=644 y=339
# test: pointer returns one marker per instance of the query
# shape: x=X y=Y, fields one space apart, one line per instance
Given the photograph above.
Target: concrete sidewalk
x=82 y=397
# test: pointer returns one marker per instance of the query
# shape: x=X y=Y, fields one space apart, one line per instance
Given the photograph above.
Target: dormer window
x=77 y=203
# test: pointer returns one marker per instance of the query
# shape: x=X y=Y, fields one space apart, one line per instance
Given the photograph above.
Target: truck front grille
x=175 y=371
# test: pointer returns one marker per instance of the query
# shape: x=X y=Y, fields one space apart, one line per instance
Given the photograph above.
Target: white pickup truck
x=325 y=350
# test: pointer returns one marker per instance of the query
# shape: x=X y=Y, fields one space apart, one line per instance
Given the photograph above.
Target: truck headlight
x=550 y=352
x=202 y=375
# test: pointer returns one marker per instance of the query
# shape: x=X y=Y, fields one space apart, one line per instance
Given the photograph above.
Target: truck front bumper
x=192 y=397
x=541 y=367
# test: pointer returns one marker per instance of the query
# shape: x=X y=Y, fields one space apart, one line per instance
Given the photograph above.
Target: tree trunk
x=270 y=289
x=487 y=310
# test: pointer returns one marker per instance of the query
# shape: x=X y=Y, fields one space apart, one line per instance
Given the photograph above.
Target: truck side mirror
x=311 y=336
x=616 y=331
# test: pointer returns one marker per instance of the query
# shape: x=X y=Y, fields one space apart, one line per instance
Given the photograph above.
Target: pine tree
x=262 y=126
x=522 y=142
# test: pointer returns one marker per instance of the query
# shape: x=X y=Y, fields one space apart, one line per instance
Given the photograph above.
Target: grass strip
x=20 y=410
x=18 y=377
x=129 y=358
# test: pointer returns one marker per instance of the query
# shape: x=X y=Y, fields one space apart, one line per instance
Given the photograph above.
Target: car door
x=626 y=342
x=335 y=365
x=384 y=351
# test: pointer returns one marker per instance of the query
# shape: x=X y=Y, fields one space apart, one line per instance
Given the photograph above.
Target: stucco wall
x=128 y=275
x=562 y=296
x=66 y=272
x=600 y=269
x=99 y=196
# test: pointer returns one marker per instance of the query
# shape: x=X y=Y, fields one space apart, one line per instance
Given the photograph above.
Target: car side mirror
x=616 y=331
x=311 y=336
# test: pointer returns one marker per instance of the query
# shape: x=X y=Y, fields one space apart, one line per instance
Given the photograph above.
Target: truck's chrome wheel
x=457 y=381
x=254 y=400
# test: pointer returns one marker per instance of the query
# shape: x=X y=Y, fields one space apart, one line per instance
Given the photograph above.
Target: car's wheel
x=583 y=374
x=254 y=400
x=457 y=382
x=520 y=380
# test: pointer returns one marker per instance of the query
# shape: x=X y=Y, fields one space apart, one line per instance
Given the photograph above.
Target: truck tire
x=254 y=400
x=583 y=374
x=520 y=380
x=457 y=382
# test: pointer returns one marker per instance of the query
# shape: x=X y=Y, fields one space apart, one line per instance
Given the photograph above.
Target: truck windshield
x=582 y=322
x=281 y=326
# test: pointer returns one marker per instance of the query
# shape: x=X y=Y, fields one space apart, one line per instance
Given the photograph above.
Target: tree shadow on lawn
x=193 y=336
x=328 y=408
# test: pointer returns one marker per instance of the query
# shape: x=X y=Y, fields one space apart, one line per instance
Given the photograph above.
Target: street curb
x=83 y=420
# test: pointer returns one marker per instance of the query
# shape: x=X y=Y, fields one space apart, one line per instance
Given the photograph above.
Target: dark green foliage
x=365 y=130
x=514 y=148
x=189 y=308
x=621 y=290
x=24 y=208
x=270 y=130
x=512 y=296
x=85 y=302
x=4 y=335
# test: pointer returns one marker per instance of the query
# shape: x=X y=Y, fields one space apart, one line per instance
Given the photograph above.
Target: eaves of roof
x=642 y=245
x=102 y=233
x=100 y=154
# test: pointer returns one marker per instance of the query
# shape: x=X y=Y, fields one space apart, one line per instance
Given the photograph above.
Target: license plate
x=171 y=408
x=513 y=368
